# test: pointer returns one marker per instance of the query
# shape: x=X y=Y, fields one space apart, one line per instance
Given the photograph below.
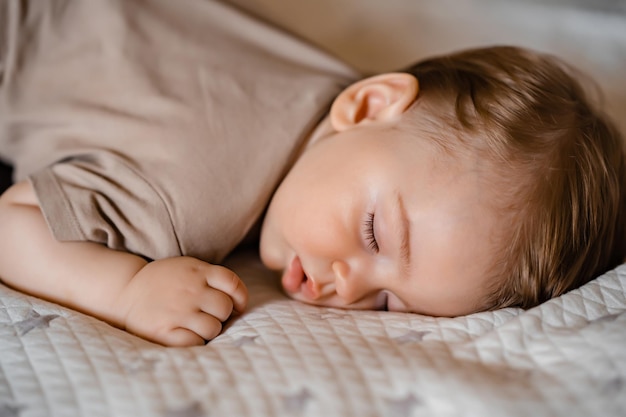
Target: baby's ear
x=380 y=98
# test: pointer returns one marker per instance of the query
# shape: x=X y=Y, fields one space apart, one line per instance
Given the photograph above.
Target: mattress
x=566 y=357
x=283 y=358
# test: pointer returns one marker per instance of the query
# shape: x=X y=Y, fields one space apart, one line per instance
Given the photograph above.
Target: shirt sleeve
x=100 y=198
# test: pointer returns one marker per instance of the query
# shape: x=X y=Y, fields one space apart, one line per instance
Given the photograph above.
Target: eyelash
x=369 y=233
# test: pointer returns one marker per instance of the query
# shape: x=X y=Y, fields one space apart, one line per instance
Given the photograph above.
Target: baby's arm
x=176 y=301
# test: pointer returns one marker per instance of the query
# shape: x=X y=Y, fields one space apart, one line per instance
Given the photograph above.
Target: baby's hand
x=181 y=301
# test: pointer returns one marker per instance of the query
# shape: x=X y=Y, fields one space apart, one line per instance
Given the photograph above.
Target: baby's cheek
x=268 y=250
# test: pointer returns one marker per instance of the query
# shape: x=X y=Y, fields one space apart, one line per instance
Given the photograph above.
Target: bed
x=566 y=357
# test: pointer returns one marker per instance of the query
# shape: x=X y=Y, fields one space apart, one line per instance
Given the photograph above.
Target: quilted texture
x=282 y=358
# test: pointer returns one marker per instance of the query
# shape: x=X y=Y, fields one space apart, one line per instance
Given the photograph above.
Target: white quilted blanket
x=282 y=358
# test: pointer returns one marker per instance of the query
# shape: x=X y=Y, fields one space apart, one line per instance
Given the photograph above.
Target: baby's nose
x=341 y=270
x=346 y=285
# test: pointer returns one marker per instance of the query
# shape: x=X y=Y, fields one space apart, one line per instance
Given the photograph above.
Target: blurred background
x=383 y=35
x=376 y=35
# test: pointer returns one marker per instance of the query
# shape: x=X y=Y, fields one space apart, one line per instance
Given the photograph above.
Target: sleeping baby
x=148 y=140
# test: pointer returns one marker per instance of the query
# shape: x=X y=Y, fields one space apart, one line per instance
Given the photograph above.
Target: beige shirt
x=158 y=127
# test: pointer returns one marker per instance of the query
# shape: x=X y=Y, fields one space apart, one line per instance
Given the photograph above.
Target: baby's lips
x=309 y=289
x=293 y=276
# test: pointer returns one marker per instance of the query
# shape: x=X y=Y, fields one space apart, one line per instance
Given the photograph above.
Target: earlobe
x=380 y=98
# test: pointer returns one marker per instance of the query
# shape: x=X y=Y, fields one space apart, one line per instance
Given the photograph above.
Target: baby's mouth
x=295 y=280
x=293 y=276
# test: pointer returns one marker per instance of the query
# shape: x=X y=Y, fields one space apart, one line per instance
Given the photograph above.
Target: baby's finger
x=204 y=325
x=228 y=282
x=179 y=337
x=217 y=304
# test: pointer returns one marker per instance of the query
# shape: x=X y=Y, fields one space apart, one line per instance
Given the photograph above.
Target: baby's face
x=372 y=218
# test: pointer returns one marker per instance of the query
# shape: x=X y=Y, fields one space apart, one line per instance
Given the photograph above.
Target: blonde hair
x=557 y=162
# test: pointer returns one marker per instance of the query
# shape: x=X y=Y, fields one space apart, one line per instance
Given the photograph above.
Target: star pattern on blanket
x=412 y=336
x=10 y=410
x=326 y=315
x=403 y=406
x=141 y=365
x=613 y=386
x=296 y=402
x=34 y=320
x=331 y=315
x=245 y=340
x=606 y=319
x=192 y=410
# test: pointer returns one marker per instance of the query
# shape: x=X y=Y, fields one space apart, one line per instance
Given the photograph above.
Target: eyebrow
x=405 y=241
